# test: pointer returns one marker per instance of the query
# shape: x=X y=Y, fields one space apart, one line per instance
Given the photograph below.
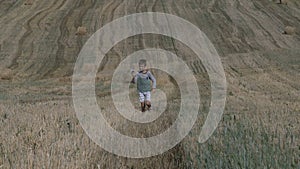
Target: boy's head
x=142 y=64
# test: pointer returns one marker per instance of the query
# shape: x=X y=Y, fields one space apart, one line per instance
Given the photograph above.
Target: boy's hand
x=132 y=81
x=153 y=90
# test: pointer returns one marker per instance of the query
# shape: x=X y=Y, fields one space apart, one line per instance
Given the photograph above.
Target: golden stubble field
x=258 y=42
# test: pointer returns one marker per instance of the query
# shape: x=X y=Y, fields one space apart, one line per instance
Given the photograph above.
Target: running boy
x=143 y=80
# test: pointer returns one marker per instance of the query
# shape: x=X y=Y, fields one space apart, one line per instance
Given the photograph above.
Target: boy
x=143 y=79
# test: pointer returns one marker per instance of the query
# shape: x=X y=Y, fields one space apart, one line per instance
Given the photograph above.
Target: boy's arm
x=134 y=79
x=132 y=72
x=152 y=78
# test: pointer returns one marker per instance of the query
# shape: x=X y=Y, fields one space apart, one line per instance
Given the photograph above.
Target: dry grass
x=43 y=135
x=48 y=135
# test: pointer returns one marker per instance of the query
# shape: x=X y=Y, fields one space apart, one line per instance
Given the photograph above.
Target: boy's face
x=142 y=67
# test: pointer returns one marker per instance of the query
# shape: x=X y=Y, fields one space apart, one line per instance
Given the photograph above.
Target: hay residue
x=5 y=74
x=81 y=31
x=289 y=30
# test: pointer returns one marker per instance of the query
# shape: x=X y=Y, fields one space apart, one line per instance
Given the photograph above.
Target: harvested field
x=259 y=45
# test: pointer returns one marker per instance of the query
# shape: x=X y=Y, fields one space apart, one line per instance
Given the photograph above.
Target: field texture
x=39 y=45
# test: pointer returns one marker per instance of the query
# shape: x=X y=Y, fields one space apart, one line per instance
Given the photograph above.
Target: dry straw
x=289 y=30
x=81 y=31
x=5 y=74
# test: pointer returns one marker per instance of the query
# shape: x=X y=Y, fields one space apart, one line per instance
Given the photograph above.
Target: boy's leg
x=143 y=107
x=142 y=100
x=148 y=100
x=148 y=103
